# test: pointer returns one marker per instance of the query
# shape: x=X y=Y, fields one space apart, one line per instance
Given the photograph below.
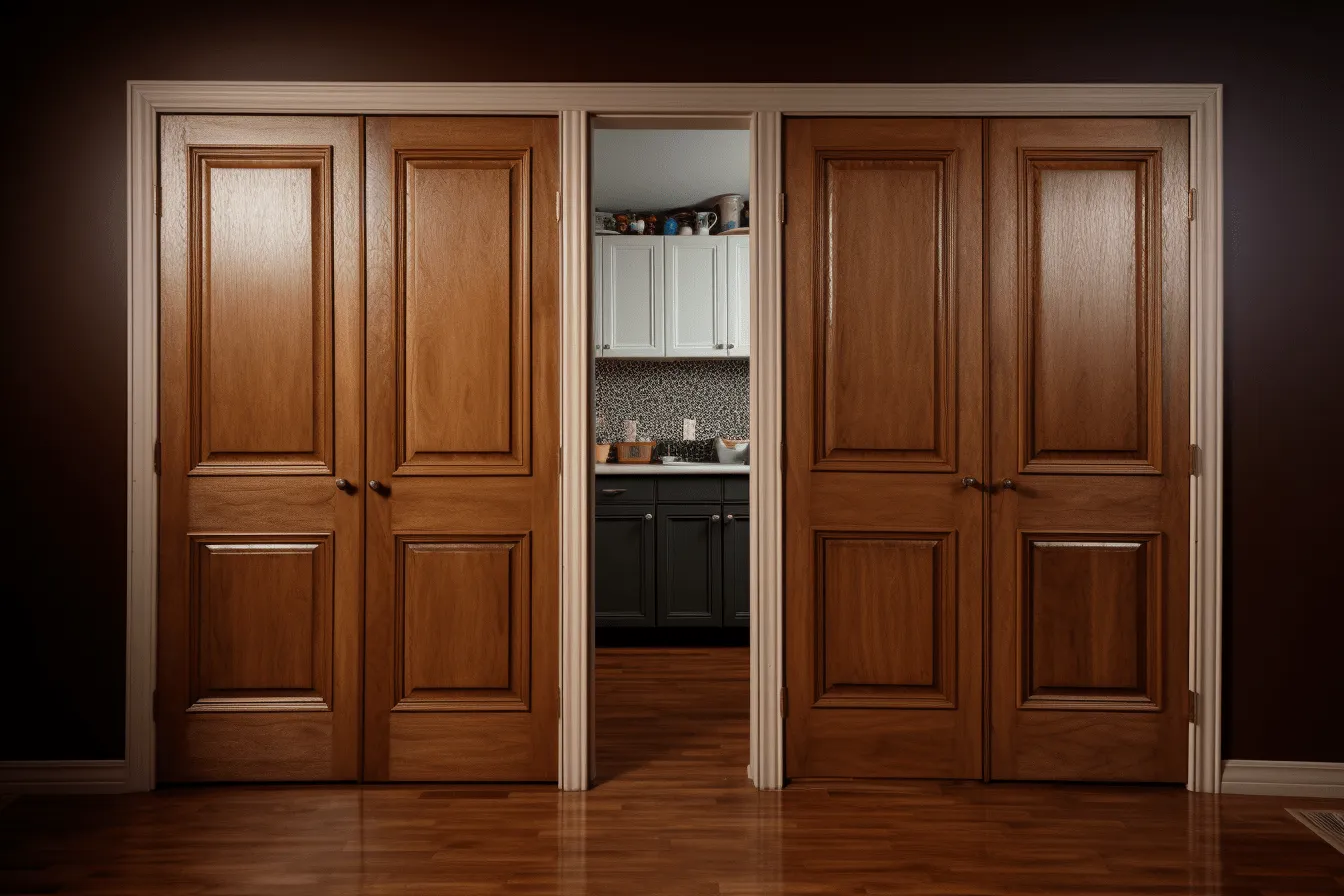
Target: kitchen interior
x=672 y=450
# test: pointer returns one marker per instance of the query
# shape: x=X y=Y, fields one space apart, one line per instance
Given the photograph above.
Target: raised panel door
x=690 y=564
x=632 y=296
x=695 y=296
x=462 y=440
x=260 y=535
x=624 y=568
x=1089 y=361
x=883 y=421
x=739 y=296
x=736 y=564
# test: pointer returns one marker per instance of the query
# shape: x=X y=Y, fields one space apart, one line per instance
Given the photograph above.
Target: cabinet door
x=739 y=296
x=624 y=576
x=736 y=564
x=632 y=296
x=696 y=293
x=596 y=287
x=690 y=555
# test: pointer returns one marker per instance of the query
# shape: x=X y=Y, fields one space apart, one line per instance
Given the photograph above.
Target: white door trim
x=766 y=104
x=1272 y=778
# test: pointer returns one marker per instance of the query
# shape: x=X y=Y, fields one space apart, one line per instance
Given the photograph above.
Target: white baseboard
x=64 y=776
x=1266 y=778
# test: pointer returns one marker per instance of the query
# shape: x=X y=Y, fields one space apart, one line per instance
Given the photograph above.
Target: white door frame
x=765 y=105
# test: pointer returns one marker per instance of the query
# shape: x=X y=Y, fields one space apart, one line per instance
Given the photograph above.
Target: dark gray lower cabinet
x=624 y=572
x=690 y=564
x=672 y=551
x=736 y=564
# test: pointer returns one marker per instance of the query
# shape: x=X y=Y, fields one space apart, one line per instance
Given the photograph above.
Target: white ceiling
x=656 y=170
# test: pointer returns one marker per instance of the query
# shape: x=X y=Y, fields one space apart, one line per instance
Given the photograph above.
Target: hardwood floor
x=672 y=813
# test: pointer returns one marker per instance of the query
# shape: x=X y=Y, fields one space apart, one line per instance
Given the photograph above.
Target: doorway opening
x=670 y=304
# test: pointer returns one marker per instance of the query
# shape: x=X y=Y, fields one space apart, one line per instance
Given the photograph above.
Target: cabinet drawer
x=626 y=489
x=736 y=488
x=678 y=489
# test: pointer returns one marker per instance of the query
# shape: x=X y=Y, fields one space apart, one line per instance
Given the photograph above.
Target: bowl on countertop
x=733 y=451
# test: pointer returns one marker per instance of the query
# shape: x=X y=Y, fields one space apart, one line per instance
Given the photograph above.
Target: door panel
x=739 y=296
x=261 y=322
x=690 y=564
x=736 y=564
x=623 y=573
x=632 y=296
x=883 y=419
x=695 y=295
x=462 y=568
x=1089 y=335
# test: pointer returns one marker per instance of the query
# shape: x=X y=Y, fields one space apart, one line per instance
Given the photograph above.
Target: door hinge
x=783 y=703
x=1192 y=707
x=783 y=208
x=158 y=457
x=557 y=206
x=1194 y=460
x=1192 y=204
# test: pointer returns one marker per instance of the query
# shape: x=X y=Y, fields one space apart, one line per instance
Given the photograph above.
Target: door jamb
x=766 y=105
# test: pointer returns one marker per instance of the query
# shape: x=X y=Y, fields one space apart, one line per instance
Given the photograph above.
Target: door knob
x=375 y=485
x=1009 y=484
x=714 y=518
x=971 y=482
x=648 y=516
x=343 y=485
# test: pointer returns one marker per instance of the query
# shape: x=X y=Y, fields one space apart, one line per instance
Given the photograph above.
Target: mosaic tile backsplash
x=660 y=394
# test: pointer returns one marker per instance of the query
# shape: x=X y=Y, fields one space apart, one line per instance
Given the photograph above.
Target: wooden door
x=883 y=410
x=739 y=296
x=695 y=296
x=1089 y=363
x=463 y=441
x=632 y=296
x=260 y=549
x=623 y=568
x=690 y=564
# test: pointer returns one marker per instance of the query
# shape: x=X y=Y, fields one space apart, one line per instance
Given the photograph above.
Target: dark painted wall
x=61 y=641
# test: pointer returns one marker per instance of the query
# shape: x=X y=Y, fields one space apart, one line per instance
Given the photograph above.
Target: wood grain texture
x=261 y=400
x=437 y=290
x=1116 y=285
x=672 y=813
x=463 y=313
x=262 y=629
x=883 y=251
x=463 y=610
x=1089 y=301
x=262 y=310
x=883 y=277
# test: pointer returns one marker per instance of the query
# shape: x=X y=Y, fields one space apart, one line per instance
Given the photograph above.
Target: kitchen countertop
x=672 y=469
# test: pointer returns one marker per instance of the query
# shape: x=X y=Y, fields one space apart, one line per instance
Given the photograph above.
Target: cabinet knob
x=729 y=519
x=714 y=518
x=1009 y=484
x=342 y=485
x=718 y=345
x=730 y=345
x=608 y=345
x=648 y=516
x=375 y=485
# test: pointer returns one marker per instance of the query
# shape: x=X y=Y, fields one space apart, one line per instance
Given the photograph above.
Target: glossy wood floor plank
x=673 y=813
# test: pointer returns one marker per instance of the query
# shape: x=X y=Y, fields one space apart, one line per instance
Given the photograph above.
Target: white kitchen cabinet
x=631 y=296
x=695 y=296
x=739 y=296
x=596 y=274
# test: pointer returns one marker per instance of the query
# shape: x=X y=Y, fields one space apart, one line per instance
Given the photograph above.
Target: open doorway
x=672 y=447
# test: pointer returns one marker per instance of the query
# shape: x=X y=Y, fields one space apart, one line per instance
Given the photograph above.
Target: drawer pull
x=612 y=492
